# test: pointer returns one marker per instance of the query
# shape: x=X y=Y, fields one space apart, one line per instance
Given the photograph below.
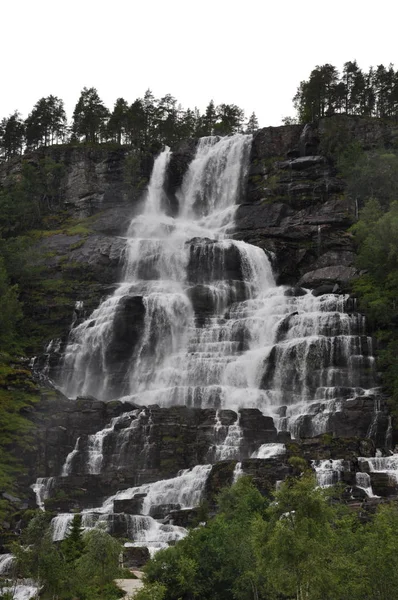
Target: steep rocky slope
x=294 y=207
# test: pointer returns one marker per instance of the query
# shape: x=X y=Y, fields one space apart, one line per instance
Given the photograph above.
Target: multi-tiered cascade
x=199 y=322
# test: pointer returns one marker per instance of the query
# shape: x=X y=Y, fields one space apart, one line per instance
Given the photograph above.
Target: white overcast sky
x=252 y=53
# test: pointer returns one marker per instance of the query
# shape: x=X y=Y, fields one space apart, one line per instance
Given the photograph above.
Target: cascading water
x=209 y=328
x=181 y=492
x=217 y=331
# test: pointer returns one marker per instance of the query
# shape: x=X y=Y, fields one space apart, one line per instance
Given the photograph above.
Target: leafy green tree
x=378 y=555
x=374 y=175
x=99 y=562
x=154 y=591
x=215 y=561
x=12 y=136
x=89 y=116
x=26 y=200
x=38 y=557
x=300 y=547
x=315 y=98
x=229 y=119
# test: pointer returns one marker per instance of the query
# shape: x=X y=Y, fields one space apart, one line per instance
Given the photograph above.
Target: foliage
x=99 y=562
x=213 y=561
x=371 y=175
x=12 y=133
x=17 y=393
x=46 y=123
x=26 y=200
x=83 y=566
x=145 y=124
x=89 y=116
x=354 y=92
x=72 y=546
x=376 y=233
x=303 y=545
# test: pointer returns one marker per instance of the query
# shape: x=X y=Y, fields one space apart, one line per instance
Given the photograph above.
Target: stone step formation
x=199 y=367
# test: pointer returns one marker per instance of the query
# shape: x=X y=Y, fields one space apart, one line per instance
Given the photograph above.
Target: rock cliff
x=295 y=208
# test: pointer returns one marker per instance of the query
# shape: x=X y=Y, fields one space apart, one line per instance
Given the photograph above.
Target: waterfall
x=183 y=491
x=60 y=526
x=6 y=562
x=198 y=321
x=328 y=472
x=269 y=451
x=42 y=489
x=216 y=331
x=68 y=464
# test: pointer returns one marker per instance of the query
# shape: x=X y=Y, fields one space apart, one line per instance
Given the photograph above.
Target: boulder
x=341 y=275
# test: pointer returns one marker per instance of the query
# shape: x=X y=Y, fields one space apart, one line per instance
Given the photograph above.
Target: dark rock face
x=179 y=162
x=383 y=485
x=59 y=422
x=296 y=209
x=211 y=261
x=135 y=557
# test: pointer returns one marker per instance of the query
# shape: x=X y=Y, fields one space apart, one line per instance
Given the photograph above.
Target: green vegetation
x=147 y=122
x=354 y=92
x=302 y=545
x=372 y=182
x=82 y=566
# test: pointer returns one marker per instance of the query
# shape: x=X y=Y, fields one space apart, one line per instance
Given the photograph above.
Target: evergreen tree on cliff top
x=46 y=123
x=89 y=116
x=12 y=132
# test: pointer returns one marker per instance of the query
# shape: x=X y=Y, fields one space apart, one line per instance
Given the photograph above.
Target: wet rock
x=251 y=217
x=304 y=162
x=127 y=328
x=135 y=557
x=187 y=517
x=294 y=292
x=130 y=506
x=327 y=288
x=329 y=275
x=160 y=511
x=383 y=484
x=212 y=261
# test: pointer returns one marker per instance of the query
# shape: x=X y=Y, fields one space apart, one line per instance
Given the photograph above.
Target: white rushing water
x=6 y=562
x=183 y=491
x=42 y=488
x=328 y=472
x=21 y=590
x=217 y=331
x=269 y=451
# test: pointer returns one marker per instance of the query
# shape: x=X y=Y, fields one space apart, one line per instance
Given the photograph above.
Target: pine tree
x=12 y=133
x=118 y=123
x=208 y=120
x=46 y=123
x=89 y=116
x=229 y=119
x=252 y=124
x=73 y=545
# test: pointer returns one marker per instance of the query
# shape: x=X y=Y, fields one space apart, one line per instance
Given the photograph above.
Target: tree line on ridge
x=372 y=93
x=145 y=122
